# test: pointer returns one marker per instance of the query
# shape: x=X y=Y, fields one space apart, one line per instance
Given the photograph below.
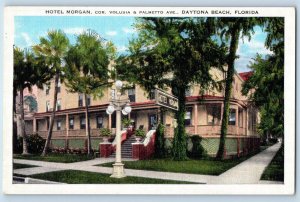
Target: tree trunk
x=23 y=132
x=45 y=151
x=88 y=128
x=228 y=88
x=179 y=142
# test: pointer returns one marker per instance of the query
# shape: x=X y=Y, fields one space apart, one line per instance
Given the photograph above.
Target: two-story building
x=203 y=114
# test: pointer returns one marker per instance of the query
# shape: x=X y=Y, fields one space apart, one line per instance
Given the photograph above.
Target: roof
x=246 y=75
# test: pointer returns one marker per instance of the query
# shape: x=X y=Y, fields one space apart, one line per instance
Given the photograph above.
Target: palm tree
x=231 y=30
x=88 y=70
x=26 y=74
x=52 y=51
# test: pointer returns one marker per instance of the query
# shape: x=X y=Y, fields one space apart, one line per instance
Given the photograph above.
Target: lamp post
x=118 y=105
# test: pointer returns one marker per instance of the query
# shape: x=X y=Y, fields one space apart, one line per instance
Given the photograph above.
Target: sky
x=118 y=29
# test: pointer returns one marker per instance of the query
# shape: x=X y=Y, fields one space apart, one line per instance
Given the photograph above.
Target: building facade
x=203 y=113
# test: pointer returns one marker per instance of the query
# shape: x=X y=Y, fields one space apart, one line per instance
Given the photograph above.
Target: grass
x=61 y=158
x=275 y=170
x=205 y=166
x=19 y=166
x=84 y=177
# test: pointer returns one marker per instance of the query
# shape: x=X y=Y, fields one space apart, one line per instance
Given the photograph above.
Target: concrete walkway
x=247 y=172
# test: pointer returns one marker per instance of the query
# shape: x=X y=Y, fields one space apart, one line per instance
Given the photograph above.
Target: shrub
x=35 y=144
x=195 y=149
x=105 y=132
x=139 y=133
x=159 y=142
x=168 y=147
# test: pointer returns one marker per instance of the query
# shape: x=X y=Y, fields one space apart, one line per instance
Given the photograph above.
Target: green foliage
x=160 y=142
x=139 y=133
x=268 y=81
x=55 y=157
x=105 y=132
x=181 y=47
x=168 y=147
x=230 y=30
x=84 y=177
x=192 y=166
x=197 y=150
x=31 y=102
x=88 y=64
x=275 y=170
x=126 y=122
x=35 y=144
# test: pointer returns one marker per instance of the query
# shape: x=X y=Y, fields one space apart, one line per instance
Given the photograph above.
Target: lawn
x=275 y=170
x=19 y=166
x=84 y=177
x=61 y=158
x=205 y=166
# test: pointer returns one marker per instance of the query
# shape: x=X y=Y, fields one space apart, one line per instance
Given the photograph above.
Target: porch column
x=67 y=132
x=246 y=124
x=109 y=121
x=196 y=118
x=67 y=126
x=34 y=125
x=237 y=120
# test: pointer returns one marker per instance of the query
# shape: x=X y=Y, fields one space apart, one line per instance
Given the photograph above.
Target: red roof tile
x=246 y=75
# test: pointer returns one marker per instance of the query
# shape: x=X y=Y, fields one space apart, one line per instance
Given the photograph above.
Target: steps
x=126 y=148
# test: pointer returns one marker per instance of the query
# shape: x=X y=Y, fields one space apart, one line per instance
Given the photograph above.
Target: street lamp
x=118 y=105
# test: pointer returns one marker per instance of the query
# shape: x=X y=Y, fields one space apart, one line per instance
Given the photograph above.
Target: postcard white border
x=287 y=188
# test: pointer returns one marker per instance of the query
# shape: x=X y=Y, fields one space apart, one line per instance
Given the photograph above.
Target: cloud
x=111 y=33
x=75 y=30
x=27 y=39
x=122 y=48
x=128 y=30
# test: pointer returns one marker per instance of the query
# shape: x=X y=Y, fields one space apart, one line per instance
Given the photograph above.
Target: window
x=80 y=100
x=47 y=89
x=188 y=117
x=152 y=121
x=82 y=122
x=88 y=100
x=131 y=94
x=58 y=105
x=113 y=120
x=232 y=117
x=152 y=95
x=213 y=114
x=99 y=120
x=58 y=86
x=47 y=123
x=71 y=123
x=47 y=106
x=58 y=124
x=240 y=117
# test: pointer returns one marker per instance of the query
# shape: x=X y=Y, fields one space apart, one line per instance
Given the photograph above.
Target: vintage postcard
x=149 y=100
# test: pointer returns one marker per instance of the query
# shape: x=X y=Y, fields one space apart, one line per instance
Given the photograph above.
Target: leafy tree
x=88 y=69
x=172 y=53
x=231 y=29
x=52 y=51
x=266 y=86
x=26 y=74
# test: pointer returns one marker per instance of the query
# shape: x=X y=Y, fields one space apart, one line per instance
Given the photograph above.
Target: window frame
x=82 y=124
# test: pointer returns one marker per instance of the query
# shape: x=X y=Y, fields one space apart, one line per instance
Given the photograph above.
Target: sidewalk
x=247 y=172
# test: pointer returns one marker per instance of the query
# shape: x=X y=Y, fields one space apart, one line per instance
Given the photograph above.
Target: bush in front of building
x=168 y=147
x=35 y=144
x=160 y=142
x=195 y=148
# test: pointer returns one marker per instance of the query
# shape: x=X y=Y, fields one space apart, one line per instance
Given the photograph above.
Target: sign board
x=166 y=100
